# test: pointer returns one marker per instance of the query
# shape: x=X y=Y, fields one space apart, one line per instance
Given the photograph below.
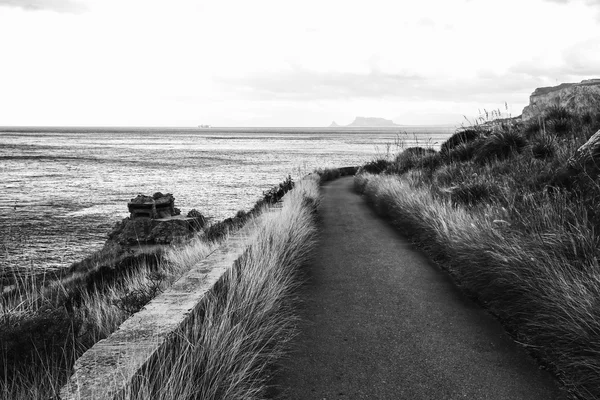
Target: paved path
x=381 y=322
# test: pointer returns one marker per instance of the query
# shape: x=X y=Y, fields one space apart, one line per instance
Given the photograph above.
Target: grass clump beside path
x=247 y=319
x=524 y=244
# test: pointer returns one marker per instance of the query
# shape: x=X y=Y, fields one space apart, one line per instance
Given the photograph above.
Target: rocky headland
x=366 y=122
x=577 y=98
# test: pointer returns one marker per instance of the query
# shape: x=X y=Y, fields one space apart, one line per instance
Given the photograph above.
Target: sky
x=285 y=62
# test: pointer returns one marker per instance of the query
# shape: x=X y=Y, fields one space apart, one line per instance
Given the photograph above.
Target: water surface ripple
x=63 y=189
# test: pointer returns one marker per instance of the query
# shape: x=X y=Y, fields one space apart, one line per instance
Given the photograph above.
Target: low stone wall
x=107 y=370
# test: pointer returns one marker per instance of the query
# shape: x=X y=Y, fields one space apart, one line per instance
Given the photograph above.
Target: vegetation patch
x=247 y=319
x=494 y=212
x=46 y=323
x=376 y=166
x=463 y=137
x=500 y=144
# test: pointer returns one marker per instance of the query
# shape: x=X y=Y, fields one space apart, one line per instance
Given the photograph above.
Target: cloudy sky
x=283 y=62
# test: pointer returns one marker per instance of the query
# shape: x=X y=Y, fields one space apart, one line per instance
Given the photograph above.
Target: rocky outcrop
x=577 y=98
x=155 y=220
x=371 y=122
x=132 y=232
x=156 y=206
x=366 y=122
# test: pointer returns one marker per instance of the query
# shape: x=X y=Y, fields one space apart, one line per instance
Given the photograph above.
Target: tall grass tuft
x=462 y=137
x=246 y=321
x=500 y=144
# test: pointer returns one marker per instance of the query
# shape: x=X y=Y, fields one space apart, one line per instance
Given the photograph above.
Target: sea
x=63 y=189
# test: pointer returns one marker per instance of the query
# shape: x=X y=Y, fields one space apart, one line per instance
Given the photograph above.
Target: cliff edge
x=578 y=98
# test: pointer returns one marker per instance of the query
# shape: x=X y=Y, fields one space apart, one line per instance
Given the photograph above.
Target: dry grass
x=537 y=272
x=45 y=327
x=248 y=318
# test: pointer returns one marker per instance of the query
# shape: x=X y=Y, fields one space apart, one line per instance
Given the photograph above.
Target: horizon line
x=220 y=127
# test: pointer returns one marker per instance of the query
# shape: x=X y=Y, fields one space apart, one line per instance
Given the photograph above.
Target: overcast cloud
x=68 y=6
x=274 y=63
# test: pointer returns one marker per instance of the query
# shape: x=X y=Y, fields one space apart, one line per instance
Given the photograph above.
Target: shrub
x=560 y=126
x=413 y=157
x=557 y=112
x=418 y=151
x=559 y=120
x=499 y=145
x=406 y=160
x=431 y=162
x=463 y=151
x=533 y=127
x=376 y=166
x=275 y=194
x=587 y=118
x=328 y=174
x=462 y=137
x=543 y=147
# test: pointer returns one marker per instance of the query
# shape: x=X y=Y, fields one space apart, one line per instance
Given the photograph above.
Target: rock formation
x=366 y=122
x=371 y=122
x=578 y=98
x=158 y=206
x=155 y=220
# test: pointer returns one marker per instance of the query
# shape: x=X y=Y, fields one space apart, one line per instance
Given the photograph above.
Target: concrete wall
x=107 y=370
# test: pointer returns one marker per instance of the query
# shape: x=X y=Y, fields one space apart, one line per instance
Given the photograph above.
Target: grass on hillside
x=491 y=209
x=247 y=319
x=45 y=325
x=43 y=329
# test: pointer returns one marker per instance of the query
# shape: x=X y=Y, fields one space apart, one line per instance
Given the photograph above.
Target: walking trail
x=379 y=321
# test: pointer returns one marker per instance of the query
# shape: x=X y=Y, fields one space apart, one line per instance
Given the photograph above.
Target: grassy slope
x=247 y=319
x=489 y=209
x=45 y=326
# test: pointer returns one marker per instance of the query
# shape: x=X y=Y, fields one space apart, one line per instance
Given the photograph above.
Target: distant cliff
x=578 y=98
x=367 y=122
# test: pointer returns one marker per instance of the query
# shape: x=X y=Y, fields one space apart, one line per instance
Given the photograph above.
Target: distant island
x=366 y=122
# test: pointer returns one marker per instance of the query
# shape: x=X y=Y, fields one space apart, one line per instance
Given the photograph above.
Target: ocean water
x=64 y=189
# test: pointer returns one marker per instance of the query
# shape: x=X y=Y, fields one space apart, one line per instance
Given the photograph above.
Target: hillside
x=510 y=209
